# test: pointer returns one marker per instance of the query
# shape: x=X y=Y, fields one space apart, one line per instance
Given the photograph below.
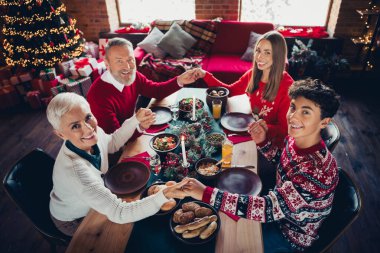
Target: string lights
x=38 y=33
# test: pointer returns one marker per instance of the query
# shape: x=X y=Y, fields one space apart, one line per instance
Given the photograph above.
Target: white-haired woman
x=77 y=182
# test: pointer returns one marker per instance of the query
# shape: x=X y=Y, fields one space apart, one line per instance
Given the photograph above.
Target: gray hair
x=117 y=42
x=61 y=104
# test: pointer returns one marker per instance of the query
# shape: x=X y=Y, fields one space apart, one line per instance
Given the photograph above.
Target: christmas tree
x=38 y=33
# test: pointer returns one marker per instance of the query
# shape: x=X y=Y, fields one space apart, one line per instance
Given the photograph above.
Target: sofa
x=218 y=49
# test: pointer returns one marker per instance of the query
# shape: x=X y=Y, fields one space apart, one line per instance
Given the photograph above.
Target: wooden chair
x=346 y=208
x=331 y=135
x=29 y=183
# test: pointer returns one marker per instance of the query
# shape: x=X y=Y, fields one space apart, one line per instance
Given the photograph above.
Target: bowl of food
x=164 y=143
x=216 y=139
x=186 y=106
x=219 y=93
x=206 y=168
x=169 y=206
x=195 y=222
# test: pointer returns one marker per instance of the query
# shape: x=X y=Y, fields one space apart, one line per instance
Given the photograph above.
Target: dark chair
x=28 y=184
x=346 y=208
x=331 y=135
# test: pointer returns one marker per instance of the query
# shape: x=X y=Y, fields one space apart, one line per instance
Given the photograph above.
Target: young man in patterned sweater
x=307 y=174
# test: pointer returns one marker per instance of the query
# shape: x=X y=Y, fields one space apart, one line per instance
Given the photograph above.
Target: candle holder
x=185 y=165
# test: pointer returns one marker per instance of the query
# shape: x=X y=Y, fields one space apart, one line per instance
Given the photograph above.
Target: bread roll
x=193 y=233
x=168 y=205
x=176 y=215
x=190 y=206
x=209 y=230
x=186 y=217
x=193 y=225
x=202 y=212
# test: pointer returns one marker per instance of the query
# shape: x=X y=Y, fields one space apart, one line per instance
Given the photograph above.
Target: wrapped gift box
x=5 y=72
x=20 y=78
x=102 y=44
x=5 y=82
x=58 y=89
x=64 y=67
x=23 y=88
x=92 y=49
x=79 y=86
x=34 y=99
x=48 y=74
x=8 y=97
x=101 y=66
x=84 y=67
x=44 y=86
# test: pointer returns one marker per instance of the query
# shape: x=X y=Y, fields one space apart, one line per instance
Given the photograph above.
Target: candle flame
x=182 y=137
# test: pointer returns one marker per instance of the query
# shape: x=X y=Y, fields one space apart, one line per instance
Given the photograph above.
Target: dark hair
x=316 y=91
x=279 y=53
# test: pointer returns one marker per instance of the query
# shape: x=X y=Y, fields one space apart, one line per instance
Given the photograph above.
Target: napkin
x=157 y=128
x=139 y=158
x=235 y=139
x=240 y=137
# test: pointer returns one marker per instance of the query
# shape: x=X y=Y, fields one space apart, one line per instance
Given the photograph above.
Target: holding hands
x=190 y=76
x=145 y=117
x=258 y=130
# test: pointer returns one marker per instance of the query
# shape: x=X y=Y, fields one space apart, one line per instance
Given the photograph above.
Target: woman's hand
x=145 y=117
x=175 y=191
x=193 y=188
x=258 y=130
x=190 y=76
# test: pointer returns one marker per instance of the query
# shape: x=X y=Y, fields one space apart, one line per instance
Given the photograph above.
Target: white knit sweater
x=78 y=185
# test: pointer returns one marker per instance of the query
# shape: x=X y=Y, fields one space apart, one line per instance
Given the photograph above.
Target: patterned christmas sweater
x=302 y=198
x=273 y=112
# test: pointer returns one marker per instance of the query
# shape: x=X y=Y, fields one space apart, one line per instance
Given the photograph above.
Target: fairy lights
x=38 y=34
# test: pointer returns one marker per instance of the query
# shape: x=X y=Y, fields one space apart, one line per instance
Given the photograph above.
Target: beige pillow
x=149 y=44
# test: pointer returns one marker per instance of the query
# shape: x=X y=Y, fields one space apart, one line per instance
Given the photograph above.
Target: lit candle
x=193 y=107
x=183 y=150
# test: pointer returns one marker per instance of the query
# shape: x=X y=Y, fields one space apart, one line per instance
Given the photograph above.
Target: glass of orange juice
x=216 y=108
x=227 y=153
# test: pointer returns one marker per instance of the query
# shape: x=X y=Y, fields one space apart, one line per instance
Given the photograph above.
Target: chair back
x=346 y=208
x=331 y=135
x=28 y=184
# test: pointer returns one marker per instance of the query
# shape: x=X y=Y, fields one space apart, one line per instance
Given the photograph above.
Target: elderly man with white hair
x=77 y=182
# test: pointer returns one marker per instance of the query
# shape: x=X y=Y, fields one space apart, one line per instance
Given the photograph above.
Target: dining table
x=98 y=234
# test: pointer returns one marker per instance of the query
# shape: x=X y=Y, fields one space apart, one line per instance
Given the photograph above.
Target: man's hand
x=145 y=117
x=258 y=130
x=190 y=76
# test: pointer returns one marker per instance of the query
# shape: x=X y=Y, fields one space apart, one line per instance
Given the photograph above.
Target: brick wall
x=210 y=9
x=94 y=16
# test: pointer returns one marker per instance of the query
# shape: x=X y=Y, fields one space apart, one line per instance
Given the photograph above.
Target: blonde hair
x=61 y=104
x=279 y=54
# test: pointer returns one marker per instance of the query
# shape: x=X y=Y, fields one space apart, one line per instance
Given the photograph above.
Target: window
x=149 y=10
x=286 y=12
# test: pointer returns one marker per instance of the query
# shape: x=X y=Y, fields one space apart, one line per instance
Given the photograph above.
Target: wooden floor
x=358 y=119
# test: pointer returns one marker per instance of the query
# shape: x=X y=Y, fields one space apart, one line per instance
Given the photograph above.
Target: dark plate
x=236 y=121
x=239 y=180
x=196 y=240
x=127 y=177
x=145 y=194
x=163 y=115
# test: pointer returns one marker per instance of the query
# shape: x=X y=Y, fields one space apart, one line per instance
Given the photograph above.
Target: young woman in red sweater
x=266 y=84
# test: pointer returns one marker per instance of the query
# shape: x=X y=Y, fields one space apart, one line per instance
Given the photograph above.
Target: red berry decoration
x=51 y=43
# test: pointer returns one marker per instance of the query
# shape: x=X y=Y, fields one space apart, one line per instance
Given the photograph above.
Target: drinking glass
x=227 y=148
x=155 y=164
x=216 y=108
x=174 y=108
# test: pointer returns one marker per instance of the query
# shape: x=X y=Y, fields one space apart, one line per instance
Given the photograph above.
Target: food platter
x=196 y=240
x=236 y=121
x=163 y=115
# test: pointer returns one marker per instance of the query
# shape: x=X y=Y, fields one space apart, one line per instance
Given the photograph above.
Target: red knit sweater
x=302 y=198
x=273 y=112
x=111 y=107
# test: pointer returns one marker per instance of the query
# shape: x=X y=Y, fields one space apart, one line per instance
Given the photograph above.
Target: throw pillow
x=149 y=44
x=176 y=41
x=248 y=54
